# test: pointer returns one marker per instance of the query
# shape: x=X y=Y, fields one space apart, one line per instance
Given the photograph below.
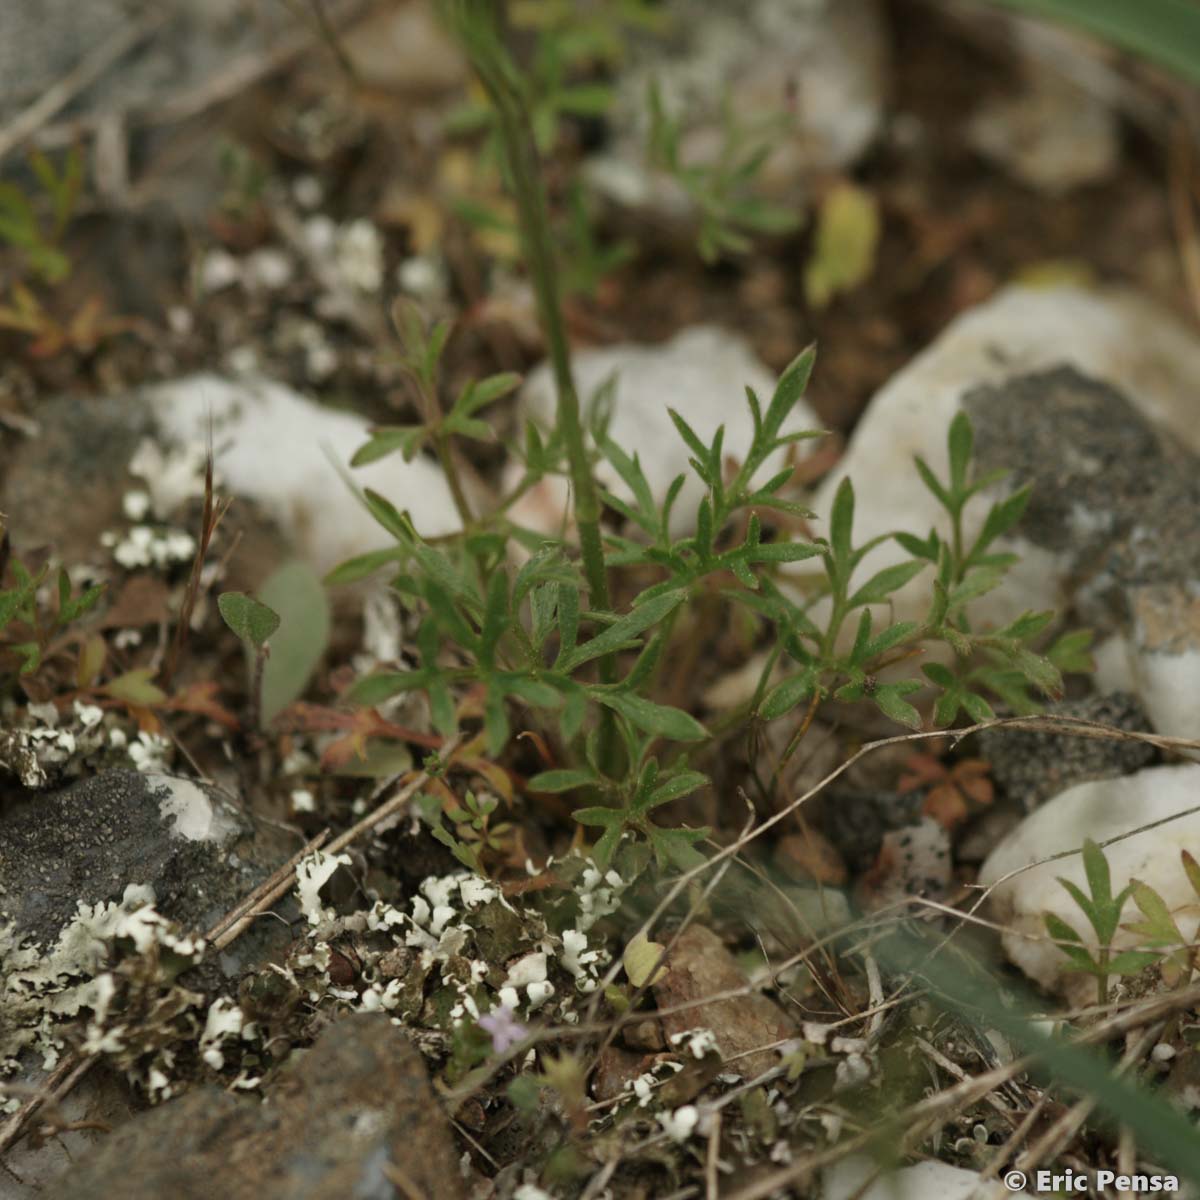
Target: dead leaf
x=811 y=855
x=848 y=228
x=639 y=959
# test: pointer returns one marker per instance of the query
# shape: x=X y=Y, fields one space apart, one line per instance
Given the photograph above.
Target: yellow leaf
x=847 y=238
x=91 y=660
x=135 y=688
x=639 y=958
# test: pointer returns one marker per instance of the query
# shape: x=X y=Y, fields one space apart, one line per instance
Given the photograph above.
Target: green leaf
x=387 y=440
x=892 y=636
x=1001 y=517
x=1027 y=625
x=658 y=719
x=978 y=709
x=961 y=443
x=885 y=582
x=782 y=552
x=1159 y=928
x=1164 y=31
x=676 y=847
x=495 y=617
x=1131 y=962
x=784 y=696
x=606 y=846
x=841 y=522
x=354 y=569
x=931 y=481
x=694 y=444
x=568 y=620
x=622 y=631
x=14 y=601
x=926 y=548
x=1060 y=930
x=477 y=395
x=563 y=780
x=889 y=698
x=386 y=513
x=1191 y=869
x=295 y=594
x=534 y=691
x=791 y=386
x=674 y=788
x=495 y=719
x=571 y=719
x=1099 y=878
x=252 y=621
x=383 y=685
x=1041 y=672
x=1069 y=652
x=607 y=817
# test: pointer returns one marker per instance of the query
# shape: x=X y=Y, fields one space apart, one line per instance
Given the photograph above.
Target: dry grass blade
x=211 y=516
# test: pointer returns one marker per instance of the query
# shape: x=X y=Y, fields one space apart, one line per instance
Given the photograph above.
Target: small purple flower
x=504 y=1029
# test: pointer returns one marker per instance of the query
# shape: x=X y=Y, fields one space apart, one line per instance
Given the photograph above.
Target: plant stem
x=431 y=413
x=476 y=25
x=450 y=470
x=256 y=689
x=477 y=30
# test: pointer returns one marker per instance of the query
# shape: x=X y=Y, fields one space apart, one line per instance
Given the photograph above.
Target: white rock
x=198 y=817
x=817 y=67
x=1163 y=656
x=1060 y=130
x=1113 y=335
x=1099 y=810
x=702 y=373
x=850 y=1179
x=278 y=448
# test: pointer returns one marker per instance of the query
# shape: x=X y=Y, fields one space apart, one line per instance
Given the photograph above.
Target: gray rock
x=857 y=822
x=1033 y=767
x=87 y=843
x=1118 y=337
x=64 y=487
x=1059 y=129
x=355 y=1116
x=67 y=485
x=1117 y=505
x=41 y=43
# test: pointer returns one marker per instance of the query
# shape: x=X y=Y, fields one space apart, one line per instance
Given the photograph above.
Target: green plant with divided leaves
x=29 y=624
x=1161 y=941
x=547 y=638
x=721 y=188
x=526 y=635
x=1000 y=661
x=36 y=235
x=473 y=836
x=569 y=41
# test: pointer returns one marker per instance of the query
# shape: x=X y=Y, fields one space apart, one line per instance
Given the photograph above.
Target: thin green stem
x=477 y=29
x=475 y=22
x=450 y=469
